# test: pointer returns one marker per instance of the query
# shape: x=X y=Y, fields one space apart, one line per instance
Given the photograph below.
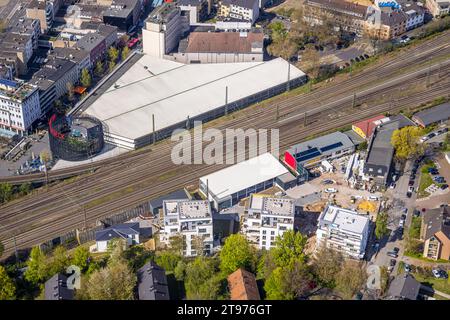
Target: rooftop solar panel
x=306 y=152
x=331 y=146
x=309 y=156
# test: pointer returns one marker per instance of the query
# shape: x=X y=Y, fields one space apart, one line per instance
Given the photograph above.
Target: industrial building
x=437 y=114
x=228 y=186
x=267 y=218
x=343 y=230
x=172 y=93
x=312 y=152
x=191 y=219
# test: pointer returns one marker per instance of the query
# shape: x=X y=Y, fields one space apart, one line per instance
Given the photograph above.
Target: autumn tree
x=406 y=142
x=85 y=78
x=113 y=54
x=7 y=286
x=350 y=278
x=381 y=229
x=237 y=253
x=99 y=68
x=125 y=53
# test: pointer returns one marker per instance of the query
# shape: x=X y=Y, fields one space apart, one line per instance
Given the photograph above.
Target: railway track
x=58 y=210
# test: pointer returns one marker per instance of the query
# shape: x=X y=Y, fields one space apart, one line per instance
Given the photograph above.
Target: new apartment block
x=191 y=219
x=267 y=218
x=343 y=230
x=247 y=10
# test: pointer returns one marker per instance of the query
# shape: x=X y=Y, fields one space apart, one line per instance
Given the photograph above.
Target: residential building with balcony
x=343 y=230
x=191 y=219
x=19 y=107
x=267 y=218
x=435 y=232
x=438 y=7
x=247 y=10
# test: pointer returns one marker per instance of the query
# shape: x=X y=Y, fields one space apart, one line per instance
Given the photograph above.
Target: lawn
x=442 y=285
x=425 y=180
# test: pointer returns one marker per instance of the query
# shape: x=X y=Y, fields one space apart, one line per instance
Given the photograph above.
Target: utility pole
x=207 y=190
x=304 y=119
x=153 y=122
x=428 y=77
x=226 y=100
x=288 y=76
x=16 y=252
x=354 y=100
x=278 y=112
x=85 y=217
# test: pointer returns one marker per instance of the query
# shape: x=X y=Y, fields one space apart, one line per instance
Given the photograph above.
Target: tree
x=327 y=264
x=362 y=146
x=198 y=244
x=60 y=260
x=311 y=60
x=113 y=54
x=289 y=248
x=406 y=142
x=111 y=66
x=180 y=270
x=237 y=253
x=168 y=260
x=45 y=156
x=381 y=229
x=99 y=68
x=81 y=258
x=350 y=279
x=25 y=188
x=7 y=286
x=125 y=52
x=274 y=286
x=115 y=282
x=201 y=281
x=37 y=271
x=70 y=91
x=177 y=243
x=85 y=78
x=6 y=192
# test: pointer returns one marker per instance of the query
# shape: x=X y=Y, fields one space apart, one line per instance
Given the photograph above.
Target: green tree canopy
x=60 y=260
x=113 y=54
x=168 y=260
x=99 y=68
x=406 y=142
x=237 y=253
x=85 y=78
x=6 y=192
x=81 y=258
x=7 y=286
x=200 y=280
x=381 y=229
x=125 y=53
x=289 y=248
x=37 y=271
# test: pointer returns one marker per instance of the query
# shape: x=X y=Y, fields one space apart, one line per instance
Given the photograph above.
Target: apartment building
x=267 y=218
x=19 y=107
x=247 y=10
x=44 y=11
x=416 y=14
x=27 y=27
x=192 y=219
x=124 y=14
x=343 y=14
x=95 y=44
x=438 y=7
x=52 y=81
x=163 y=30
x=343 y=230
x=198 y=10
x=81 y=58
x=435 y=232
x=18 y=47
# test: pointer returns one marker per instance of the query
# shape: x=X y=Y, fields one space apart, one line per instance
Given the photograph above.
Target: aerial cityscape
x=242 y=150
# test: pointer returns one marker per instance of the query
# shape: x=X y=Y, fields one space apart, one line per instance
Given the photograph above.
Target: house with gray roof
x=129 y=232
x=152 y=282
x=56 y=288
x=440 y=113
x=404 y=287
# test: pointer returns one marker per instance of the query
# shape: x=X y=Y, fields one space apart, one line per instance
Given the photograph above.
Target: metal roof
x=432 y=115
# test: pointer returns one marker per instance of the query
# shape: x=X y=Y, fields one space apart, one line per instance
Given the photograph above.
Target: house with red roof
x=366 y=127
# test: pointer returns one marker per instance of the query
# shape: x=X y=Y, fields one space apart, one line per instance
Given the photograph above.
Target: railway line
x=149 y=173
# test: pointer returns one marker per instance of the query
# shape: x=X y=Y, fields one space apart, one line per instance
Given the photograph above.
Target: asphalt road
x=123 y=183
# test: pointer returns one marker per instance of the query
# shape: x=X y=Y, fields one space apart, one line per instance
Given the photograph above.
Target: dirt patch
x=3 y=3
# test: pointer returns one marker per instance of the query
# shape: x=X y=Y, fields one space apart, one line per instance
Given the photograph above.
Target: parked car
x=392 y=263
x=411 y=183
x=330 y=190
x=417 y=213
x=392 y=254
x=396 y=250
x=407 y=268
x=436 y=273
x=409 y=194
x=392 y=185
x=443 y=274
x=401 y=223
x=411 y=189
x=327 y=181
x=444 y=186
x=372 y=198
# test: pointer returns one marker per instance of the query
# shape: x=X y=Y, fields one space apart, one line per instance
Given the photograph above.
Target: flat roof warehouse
x=172 y=92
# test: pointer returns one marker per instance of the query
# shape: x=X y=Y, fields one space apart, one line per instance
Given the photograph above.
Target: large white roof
x=344 y=219
x=243 y=175
x=173 y=91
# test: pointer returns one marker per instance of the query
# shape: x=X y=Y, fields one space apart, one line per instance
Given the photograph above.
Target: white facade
x=415 y=16
x=190 y=219
x=249 y=14
x=19 y=106
x=267 y=218
x=102 y=246
x=343 y=230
